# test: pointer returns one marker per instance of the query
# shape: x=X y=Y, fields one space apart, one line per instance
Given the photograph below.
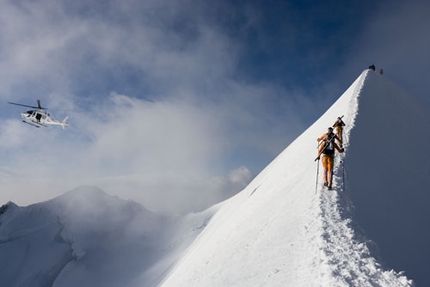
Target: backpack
x=329 y=148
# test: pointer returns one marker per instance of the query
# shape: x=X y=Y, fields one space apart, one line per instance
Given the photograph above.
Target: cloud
x=12 y=135
x=160 y=111
x=177 y=192
x=168 y=155
x=158 y=151
x=153 y=135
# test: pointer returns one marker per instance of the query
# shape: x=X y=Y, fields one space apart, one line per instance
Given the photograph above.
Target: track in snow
x=344 y=250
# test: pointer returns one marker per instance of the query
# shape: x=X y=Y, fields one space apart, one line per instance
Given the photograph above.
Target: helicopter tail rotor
x=64 y=123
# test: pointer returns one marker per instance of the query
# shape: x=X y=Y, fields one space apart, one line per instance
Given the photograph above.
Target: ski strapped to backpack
x=338 y=120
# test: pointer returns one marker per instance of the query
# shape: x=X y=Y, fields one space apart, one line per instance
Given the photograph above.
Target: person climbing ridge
x=338 y=125
x=327 y=150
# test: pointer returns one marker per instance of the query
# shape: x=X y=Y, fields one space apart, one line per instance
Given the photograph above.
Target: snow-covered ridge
x=283 y=229
x=88 y=238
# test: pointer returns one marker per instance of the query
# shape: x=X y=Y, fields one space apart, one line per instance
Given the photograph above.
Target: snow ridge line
x=349 y=259
x=344 y=252
x=361 y=82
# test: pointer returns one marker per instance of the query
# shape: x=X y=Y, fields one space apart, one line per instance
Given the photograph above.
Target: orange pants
x=328 y=163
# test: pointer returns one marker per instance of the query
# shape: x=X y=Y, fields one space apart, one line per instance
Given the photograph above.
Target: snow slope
x=87 y=238
x=284 y=229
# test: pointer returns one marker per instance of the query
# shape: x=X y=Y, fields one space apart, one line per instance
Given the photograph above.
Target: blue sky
x=188 y=99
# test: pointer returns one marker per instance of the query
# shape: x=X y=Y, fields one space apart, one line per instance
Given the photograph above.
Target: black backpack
x=329 y=148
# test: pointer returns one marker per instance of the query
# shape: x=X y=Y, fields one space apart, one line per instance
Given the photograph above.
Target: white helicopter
x=39 y=117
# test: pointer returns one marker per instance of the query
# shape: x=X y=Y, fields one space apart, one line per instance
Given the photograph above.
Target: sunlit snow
x=283 y=229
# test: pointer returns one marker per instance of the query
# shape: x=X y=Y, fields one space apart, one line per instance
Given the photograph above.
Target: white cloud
x=174 y=137
x=154 y=135
x=240 y=176
x=159 y=153
x=12 y=135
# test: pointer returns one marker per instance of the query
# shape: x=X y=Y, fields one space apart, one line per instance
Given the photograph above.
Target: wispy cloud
x=171 y=104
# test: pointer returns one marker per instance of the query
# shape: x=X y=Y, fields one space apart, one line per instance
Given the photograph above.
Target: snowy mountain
x=88 y=238
x=284 y=229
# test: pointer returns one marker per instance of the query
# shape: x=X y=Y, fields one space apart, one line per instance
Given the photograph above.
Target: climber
x=327 y=149
x=338 y=125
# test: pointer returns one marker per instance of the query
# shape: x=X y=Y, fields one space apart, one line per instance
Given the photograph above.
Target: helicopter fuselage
x=41 y=118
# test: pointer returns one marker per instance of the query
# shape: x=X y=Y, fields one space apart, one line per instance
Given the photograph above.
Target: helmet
x=330 y=129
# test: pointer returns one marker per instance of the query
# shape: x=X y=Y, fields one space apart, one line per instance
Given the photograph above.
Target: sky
x=191 y=99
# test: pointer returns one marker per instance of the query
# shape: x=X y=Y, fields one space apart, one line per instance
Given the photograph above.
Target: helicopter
x=39 y=117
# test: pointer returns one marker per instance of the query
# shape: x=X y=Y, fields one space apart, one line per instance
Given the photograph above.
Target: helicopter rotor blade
x=28 y=106
x=33 y=107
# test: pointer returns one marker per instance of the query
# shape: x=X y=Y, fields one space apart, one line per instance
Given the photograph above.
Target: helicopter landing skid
x=32 y=124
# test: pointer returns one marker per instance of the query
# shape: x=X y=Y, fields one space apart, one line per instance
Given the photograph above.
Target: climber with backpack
x=327 y=149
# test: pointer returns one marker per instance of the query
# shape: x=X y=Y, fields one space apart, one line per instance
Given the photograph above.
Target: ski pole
x=316 y=181
x=343 y=175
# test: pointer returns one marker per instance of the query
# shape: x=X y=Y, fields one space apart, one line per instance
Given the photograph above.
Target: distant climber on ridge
x=338 y=125
x=372 y=67
x=326 y=149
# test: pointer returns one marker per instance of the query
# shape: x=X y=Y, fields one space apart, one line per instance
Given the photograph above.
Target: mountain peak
x=91 y=193
x=285 y=229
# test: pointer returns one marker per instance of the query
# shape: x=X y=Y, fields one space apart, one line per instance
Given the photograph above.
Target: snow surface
x=284 y=229
x=88 y=238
